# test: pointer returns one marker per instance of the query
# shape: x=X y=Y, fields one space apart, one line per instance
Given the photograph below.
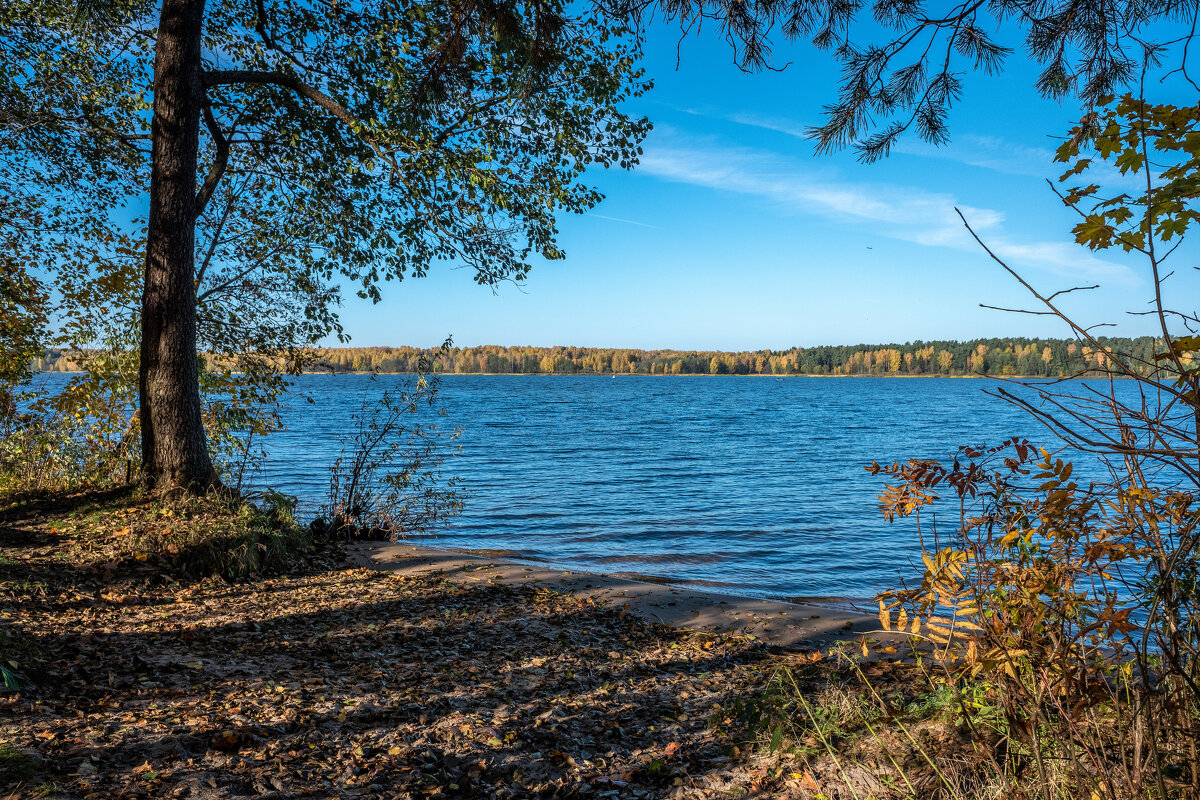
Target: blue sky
x=733 y=235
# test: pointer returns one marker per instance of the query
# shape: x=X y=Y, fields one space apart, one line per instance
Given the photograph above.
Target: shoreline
x=1045 y=378
x=659 y=375
x=328 y=678
x=776 y=622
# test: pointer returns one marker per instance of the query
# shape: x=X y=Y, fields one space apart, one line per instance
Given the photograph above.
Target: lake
x=748 y=485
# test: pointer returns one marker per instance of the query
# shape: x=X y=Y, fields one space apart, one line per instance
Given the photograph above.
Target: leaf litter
x=338 y=681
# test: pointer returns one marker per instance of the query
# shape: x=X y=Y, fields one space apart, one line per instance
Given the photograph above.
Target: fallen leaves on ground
x=335 y=681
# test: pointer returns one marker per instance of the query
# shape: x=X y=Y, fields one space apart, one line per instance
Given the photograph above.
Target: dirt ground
x=345 y=680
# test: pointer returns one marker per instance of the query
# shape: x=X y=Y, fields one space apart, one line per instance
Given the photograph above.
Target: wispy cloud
x=777 y=124
x=905 y=213
x=987 y=152
x=783 y=125
x=1001 y=155
x=621 y=219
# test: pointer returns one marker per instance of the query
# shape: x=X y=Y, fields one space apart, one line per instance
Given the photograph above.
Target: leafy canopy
x=1158 y=141
x=370 y=139
x=357 y=142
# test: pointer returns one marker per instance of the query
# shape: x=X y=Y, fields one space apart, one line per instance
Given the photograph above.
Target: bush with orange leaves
x=1077 y=604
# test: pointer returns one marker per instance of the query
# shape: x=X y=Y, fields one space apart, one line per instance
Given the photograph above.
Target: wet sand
x=789 y=625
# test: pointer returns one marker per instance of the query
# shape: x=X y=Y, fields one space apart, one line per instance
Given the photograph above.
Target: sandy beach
x=783 y=624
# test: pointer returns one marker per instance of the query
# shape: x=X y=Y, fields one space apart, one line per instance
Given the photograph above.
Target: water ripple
x=756 y=486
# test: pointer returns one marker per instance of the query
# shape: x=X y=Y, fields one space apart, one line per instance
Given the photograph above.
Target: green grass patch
x=135 y=532
x=219 y=534
x=15 y=765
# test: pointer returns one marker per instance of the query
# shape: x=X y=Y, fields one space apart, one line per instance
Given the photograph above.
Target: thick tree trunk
x=174 y=446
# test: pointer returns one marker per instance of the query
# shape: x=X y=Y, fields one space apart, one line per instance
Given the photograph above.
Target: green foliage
x=15 y=765
x=74 y=89
x=427 y=134
x=469 y=132
x=219 y=534
x=1161 y=142
x=768 y=717
x=387 y=480
x=67 y=89
x=22 y=328
x=231 y=538
x=24 y=304
x=366 y=141
x=86 y=433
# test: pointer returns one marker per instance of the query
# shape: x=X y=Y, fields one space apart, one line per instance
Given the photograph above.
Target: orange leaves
x=904 y=500
x=1026 y=596
x=919 y=478
x=1056 y=474
x=943 y=581
x=1012 y=537
x=807 y=781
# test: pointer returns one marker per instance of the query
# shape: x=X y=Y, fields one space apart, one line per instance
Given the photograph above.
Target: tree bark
x=174 y=445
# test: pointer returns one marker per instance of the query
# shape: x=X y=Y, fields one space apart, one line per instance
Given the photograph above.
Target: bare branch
x=1085 y=332
x=1018 y=310
x=1073 y=289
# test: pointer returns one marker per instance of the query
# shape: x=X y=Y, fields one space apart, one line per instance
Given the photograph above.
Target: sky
x=731 y=234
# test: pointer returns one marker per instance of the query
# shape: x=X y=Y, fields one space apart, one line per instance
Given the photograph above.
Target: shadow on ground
x=338 y=681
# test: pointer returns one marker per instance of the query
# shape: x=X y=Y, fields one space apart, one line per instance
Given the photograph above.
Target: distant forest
x=1017 y=357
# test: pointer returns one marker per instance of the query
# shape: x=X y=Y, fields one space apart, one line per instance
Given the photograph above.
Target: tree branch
x=212 y=245
x=310 y=93
x=260 y=25
x=220 y=160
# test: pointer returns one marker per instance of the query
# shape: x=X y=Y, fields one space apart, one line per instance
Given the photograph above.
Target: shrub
x=387 y=478
x=1080 y=604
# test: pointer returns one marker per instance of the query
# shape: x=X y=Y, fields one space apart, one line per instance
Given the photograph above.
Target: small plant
x=769 y=718
x=387 y=478
x=223 y=534
x=15 y=765
x=1046 y=612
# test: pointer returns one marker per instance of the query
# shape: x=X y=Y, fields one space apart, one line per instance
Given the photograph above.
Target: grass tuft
x=219 y=534
x=16 y=765
x=132 y=532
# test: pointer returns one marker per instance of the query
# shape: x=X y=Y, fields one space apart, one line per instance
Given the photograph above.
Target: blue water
x=752 y=485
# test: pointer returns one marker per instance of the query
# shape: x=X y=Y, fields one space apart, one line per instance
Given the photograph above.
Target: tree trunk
x=174 y=446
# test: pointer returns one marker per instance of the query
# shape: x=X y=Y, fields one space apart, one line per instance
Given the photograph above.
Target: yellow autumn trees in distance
x=1050 y=358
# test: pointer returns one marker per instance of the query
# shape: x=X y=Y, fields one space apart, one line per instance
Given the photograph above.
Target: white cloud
x=905 y=213
x=1001 y=155
x=783 y=125
x=622 y=219
x=988 y=152
x=778 y=124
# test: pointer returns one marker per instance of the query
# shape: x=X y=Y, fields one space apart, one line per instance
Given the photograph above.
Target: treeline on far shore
x=1016 y=357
